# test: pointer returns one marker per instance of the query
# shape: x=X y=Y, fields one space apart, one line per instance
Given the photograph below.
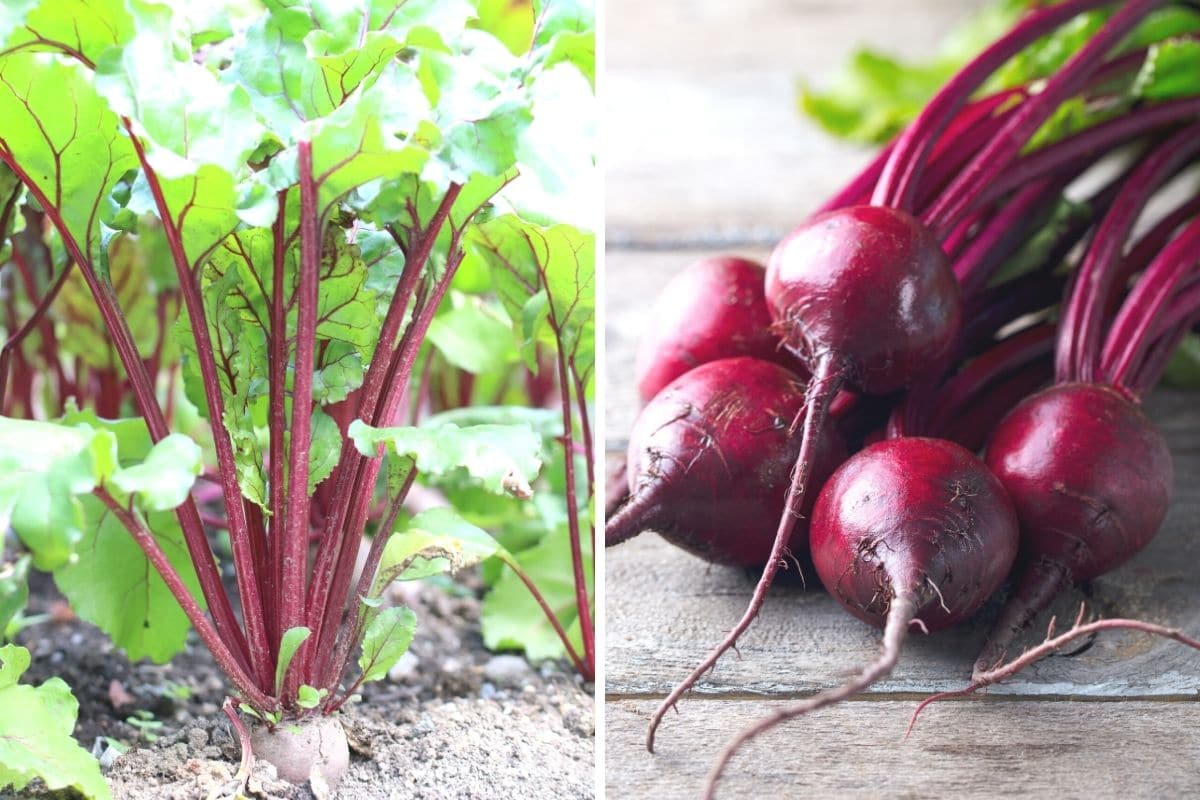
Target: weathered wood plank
x=961 y=749
x=665 y=609
x=704 y=143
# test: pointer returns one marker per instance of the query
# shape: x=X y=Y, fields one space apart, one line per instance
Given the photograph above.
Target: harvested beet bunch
x=987 y=252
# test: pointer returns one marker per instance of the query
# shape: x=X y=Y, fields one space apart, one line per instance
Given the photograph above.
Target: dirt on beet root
x=451 y=720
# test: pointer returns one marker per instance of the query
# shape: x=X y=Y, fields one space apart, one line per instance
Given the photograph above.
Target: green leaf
x=113 y=586
x=202 y=205
x=510 y=21
x=186 y=115
x=14 y=591
x=387 y=637
x=35 y=733
x=49 y=472
x=504 y=458
x=326 y=448
x=512 y=620
x=83 y=27
x=1184 y=368
x=472 y=337
x=556 y=17
x=14 y=660
x=1036 y=249
x=873 y=97
x=359 y=143
x=163 y=480
x=289 y=643
x=1170 y=71
x=527 y=259
x=136 y=282
x=64 y=138
x=345 y=306
x=545 y=422
x=309 y=697
x=43 y=467
x=436 y=541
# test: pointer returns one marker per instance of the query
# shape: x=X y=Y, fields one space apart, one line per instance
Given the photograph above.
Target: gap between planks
x=909 y=697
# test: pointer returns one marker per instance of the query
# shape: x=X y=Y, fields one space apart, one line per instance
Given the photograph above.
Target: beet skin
x=913 y=515
x=710 y=458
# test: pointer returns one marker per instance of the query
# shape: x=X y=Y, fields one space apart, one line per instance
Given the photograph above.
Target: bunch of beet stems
x=993 y=170
x=278 y=591
x=1142 y=328
x=1119 y=341
x=34 y=276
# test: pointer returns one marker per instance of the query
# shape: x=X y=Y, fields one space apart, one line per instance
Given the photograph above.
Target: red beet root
x=913 y=516
x=865 y=297
x=710 y=458
x=909 y=530
x=714 y=309
x=1091 y=479
x=869 y=288
x=1088 y=473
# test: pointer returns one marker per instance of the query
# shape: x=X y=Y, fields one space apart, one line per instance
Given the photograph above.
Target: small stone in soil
x=423 y=727
x=507 y=670
x=197 y=739
x=405 y=669
x=107 y=757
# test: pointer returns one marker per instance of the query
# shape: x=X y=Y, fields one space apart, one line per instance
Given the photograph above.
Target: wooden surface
x=705 y=154
x=971 y=750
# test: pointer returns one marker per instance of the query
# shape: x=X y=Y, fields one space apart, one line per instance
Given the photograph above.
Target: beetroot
x=914 y=518
x=709 y=461
x=1091 y=479
x=711 y=310
x=863 y=296
x=908 y=531
x=869 y=290
x=1090 y=476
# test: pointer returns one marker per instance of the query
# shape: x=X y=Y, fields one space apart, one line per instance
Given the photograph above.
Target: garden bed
x=451 y=721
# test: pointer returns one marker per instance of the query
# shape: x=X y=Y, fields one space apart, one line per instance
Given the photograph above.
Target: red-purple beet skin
x=1089 y=475
x=713 y=451
x=870 y=287
x=916 y=514
x=711 y=310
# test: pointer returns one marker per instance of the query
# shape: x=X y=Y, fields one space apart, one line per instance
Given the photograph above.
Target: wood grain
x=998 y=749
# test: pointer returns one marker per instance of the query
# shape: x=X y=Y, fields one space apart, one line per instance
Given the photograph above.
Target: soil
x=451 y=721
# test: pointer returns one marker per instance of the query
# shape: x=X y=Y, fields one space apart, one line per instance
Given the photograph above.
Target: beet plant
x=328 y=181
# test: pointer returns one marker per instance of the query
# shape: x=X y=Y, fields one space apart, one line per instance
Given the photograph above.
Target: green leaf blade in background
x=43 y=467
x=511 y=618
x=504 y=459
x=35 y=733
x=86 y=28
x=64 y=138
x=14 y=592
x=436 y=541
